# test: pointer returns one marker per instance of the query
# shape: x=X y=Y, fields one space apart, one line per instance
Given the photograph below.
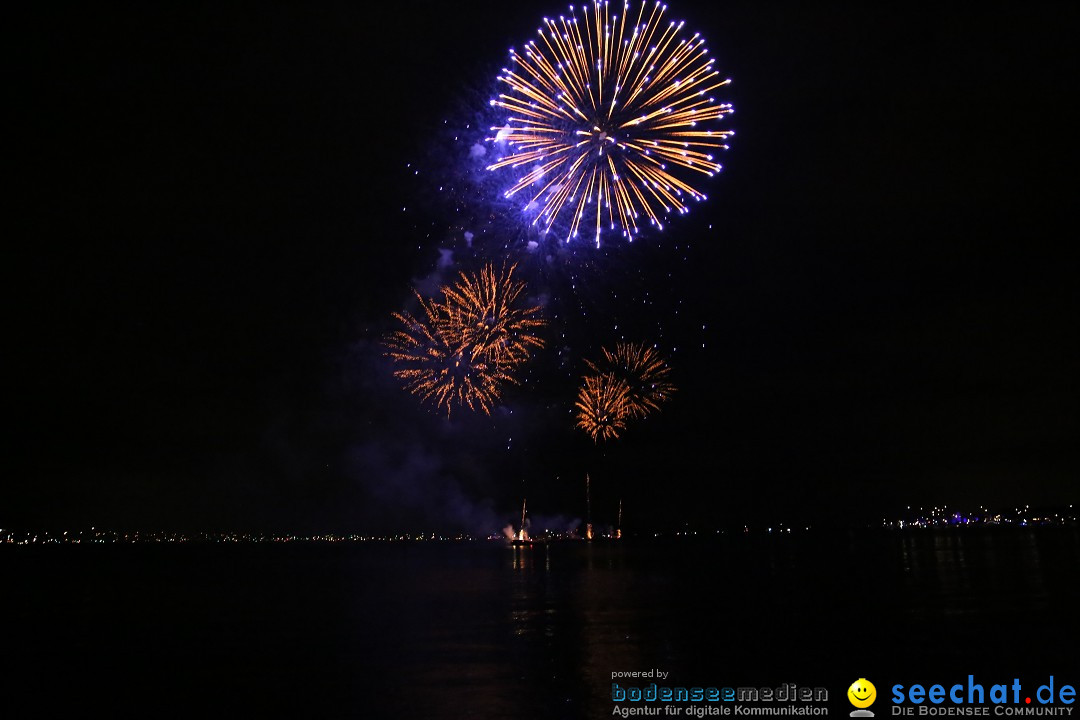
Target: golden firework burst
x=644 y=371
x=488 y=315
x=463 y=349
x=601 y=406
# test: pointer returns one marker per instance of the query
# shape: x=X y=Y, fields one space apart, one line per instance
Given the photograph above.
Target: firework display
x=602 y=406
x=487 y=316
x=644 y=371
x=630 y=382
x=606 y=117
x=463 y=349
x=434 y=365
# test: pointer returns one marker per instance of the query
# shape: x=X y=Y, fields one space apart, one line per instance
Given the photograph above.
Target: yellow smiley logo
x=862 y=693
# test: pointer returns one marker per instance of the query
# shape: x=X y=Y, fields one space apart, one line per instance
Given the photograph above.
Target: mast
x=588 y=508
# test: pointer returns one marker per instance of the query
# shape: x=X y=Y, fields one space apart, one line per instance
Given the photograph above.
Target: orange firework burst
x=606 y=117
x=488 y=317
x=463 y=349
x=645 y=373
x=436 y=366
x=602 y=406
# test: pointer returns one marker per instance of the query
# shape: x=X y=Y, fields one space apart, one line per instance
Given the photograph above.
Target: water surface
x=479 y=629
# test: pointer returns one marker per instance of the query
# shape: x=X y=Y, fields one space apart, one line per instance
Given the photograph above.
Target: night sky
x=218 y=207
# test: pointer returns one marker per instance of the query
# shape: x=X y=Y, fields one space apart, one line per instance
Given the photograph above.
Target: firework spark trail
x=598 y=110
x=601 y=406
x=645 y=372
x=463 y=349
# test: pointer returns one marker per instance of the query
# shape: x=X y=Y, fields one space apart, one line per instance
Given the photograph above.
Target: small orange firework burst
x=463 y=349
x=602 y=406
x=487 y=315
x=437 y=367
x=643 y=370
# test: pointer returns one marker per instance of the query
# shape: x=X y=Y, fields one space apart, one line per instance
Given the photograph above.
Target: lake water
x=479 y=629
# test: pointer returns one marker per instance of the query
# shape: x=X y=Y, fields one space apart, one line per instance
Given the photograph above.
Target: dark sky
x=875 y=306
